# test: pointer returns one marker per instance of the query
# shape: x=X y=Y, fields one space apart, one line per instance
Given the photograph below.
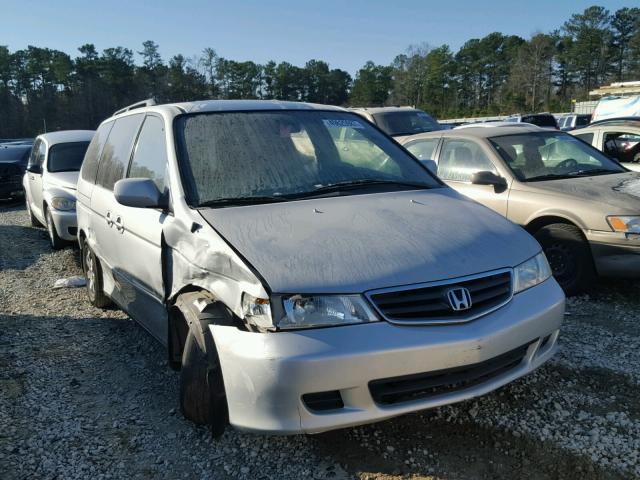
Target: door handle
x=119 y=224
x=108 y=219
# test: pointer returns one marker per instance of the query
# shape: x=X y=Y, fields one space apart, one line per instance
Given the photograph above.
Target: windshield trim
x=184 y=173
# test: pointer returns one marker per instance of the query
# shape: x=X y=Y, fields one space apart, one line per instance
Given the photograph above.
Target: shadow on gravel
x=455 y=451
x=20 y=247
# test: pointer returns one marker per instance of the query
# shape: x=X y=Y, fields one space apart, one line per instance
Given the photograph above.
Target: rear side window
x=117 y=150
x=92 y=156
x=582 y=120
x=150 y=155
x=541 y=120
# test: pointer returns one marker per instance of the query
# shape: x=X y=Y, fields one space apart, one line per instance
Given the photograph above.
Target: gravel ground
x=87 y=393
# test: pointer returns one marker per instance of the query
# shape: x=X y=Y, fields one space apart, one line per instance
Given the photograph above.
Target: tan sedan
x=582 y=207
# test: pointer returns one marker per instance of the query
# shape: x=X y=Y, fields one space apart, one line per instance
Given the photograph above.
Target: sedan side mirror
x=34 y=169
x=138 y=193
x=486 y=177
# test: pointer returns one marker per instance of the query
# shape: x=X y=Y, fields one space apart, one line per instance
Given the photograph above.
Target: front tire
x=569 y=256
x=93 y=277
x=202 y=394
x=56 y=242
x=34 y=221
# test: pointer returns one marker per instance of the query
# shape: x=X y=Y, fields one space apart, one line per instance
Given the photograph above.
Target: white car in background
x=50 y=182
x=618 y=138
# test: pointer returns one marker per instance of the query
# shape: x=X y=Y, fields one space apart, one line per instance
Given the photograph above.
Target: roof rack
x=149 y=102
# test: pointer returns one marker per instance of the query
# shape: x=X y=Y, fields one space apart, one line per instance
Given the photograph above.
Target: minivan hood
x=353 y=244
x=67 y=180
x=619 y=190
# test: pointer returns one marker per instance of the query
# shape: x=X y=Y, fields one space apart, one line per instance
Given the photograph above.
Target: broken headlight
x=308 y=311
x=257 y=312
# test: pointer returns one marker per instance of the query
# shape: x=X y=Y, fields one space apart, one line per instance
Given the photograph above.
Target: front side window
x=460 y=159
x=234 y=157
x=623 y=146
x=551 y=155
x=66 y=157
x=585 y=137
x=406 y=122
x=117 y=150
x=424 y=148
x=150 y=154
x=582 y=120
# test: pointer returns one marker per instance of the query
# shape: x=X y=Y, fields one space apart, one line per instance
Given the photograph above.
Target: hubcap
x=50 y=228
x=89 y=266
x=562 y=261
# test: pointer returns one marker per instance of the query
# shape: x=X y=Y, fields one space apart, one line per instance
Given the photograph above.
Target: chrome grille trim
x=442 y=320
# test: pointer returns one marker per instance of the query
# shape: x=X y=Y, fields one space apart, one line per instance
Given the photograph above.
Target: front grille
x=395 y=390
x=428 y=303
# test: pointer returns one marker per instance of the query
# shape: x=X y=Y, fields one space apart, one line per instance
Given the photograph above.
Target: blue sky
x=344 y=33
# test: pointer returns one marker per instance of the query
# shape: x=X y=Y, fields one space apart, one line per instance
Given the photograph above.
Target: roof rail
x=149 y=102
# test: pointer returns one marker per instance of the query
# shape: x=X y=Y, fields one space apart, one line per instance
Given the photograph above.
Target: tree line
x=45 y=89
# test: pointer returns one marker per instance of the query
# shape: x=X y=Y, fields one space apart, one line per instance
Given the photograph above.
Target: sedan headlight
x=305 y=311
x=530 y=273
x=624 y=224
x=63 y=203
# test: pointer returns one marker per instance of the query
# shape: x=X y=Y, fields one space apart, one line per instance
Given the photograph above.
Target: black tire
x=202 y=395
x=93 y=276
x=54 y=239
x=569 y=256
x=34 y=221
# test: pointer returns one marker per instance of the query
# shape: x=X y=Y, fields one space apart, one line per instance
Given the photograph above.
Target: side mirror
x=431 y=165
x=34 y=169
x=138 y=193
x=485 y=177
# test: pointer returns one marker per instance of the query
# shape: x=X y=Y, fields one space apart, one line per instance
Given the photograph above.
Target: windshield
x=66 y=157
x=238 y=157
x=549 y=155
x=406 y=122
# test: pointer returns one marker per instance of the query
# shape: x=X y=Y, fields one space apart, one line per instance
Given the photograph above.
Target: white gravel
x=86 y=393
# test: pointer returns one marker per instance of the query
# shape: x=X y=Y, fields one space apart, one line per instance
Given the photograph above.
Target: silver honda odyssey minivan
x=303 y=270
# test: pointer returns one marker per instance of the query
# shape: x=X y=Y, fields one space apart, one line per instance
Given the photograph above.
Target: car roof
x=66 y=136
x=478 y=132
x=495 y=124
x=386 y=109
x=626 y=121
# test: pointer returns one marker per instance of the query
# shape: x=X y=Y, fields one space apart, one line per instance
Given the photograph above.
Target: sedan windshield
x=66 y=157
x=239 y=158
x=551 y=155
x=406 y=122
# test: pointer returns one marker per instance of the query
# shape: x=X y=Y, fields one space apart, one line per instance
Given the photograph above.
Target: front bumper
x=66 y=224
x=11 y=188
x=266 y=374
x=615 y=254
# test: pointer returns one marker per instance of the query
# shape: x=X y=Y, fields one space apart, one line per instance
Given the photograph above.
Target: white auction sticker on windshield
x=342 y=123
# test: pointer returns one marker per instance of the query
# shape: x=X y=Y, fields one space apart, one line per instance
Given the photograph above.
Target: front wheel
x=34 y=221
x=569 y=256
x=56 y=242
x=93 y=277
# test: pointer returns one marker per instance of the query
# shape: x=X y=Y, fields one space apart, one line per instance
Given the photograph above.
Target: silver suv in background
x=50 y=182
x=399 y=121
x=299 y=284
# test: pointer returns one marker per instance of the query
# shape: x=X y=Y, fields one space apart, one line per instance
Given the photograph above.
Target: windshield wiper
x=548 y=176
x=219 y=202
x=593 y=171
x=356 y=184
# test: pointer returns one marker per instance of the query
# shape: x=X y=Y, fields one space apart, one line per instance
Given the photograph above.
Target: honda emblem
x=459 y=298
